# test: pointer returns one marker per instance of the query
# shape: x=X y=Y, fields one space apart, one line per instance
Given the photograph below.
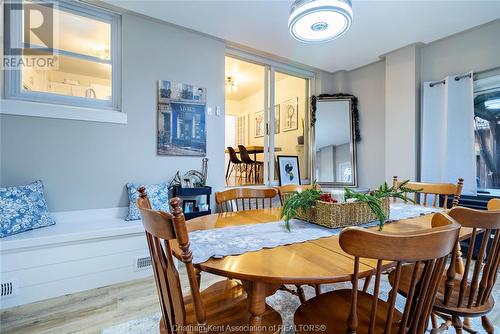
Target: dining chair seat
x=332 y=310
x=226 y=304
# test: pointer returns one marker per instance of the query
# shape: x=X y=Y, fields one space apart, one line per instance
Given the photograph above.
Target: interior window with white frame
x=62 y=52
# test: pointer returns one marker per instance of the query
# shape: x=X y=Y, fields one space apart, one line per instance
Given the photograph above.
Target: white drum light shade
x=319 y=20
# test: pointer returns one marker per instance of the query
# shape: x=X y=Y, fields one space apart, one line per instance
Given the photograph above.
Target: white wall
x=86 y=165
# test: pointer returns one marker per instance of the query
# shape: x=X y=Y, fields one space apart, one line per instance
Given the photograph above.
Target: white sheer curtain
x=448 y=132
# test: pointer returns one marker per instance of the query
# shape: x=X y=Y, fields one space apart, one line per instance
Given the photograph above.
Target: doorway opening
x=266 y=113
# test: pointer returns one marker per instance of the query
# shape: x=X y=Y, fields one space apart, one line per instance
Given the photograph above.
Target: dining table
x=254 y=149
x=313 y=262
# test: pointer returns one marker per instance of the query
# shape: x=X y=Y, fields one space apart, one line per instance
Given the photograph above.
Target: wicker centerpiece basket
x=334 y=215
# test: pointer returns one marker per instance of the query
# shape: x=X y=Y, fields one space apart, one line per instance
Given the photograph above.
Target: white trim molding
x=47 y=110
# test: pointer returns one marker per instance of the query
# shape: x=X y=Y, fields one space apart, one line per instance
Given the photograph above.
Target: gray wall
x=473 y=50
x=86 y=165
x=368 y=85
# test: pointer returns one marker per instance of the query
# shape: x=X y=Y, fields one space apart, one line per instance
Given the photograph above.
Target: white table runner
x=236 y=240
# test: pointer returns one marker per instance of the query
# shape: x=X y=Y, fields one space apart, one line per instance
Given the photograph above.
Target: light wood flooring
x=97 y=309
x=89 y=311
x=85 y=312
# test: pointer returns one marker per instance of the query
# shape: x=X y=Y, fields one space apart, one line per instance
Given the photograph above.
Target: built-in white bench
x=85 y=249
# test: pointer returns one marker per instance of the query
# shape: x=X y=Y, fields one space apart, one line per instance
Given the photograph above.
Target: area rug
x=282 y=301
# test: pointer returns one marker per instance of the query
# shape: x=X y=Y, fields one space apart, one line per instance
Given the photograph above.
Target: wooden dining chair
x=469 y=295
x=425 y=192
x=435 y=190
x=238 y=199
x=466 y=295
x=494 y=204
x=352 y=311
x=222 y=304
x=288 y=190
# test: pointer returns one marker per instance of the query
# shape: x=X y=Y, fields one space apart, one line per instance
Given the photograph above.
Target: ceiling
x=378 y=26
x=248 y=77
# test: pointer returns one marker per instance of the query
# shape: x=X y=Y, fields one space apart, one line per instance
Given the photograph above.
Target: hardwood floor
x=89 y=311
x=94 y=310
x=85 y=312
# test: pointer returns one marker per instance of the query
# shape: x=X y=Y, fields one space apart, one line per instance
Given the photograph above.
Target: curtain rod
x=457 y=78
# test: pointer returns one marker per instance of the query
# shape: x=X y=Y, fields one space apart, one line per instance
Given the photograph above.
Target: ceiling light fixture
x=313 y=21
x=492 y=104
x=230 y=85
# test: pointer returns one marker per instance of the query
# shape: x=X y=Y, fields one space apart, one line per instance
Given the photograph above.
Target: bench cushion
x=23 y=208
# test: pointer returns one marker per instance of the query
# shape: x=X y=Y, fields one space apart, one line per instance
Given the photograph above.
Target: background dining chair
x=467 y=295
x=256 y=167
x=288 y=190
x=434 y=190
x=234 y=164
x=494 y=204
x=352 y=311
x=222 y=304
x=237 y=199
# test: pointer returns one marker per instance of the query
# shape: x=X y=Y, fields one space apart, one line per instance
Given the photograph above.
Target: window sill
x=46 y=110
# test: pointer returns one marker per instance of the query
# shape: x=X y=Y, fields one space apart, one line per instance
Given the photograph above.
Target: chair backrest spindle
x=255 y=199
x=288 y=190
x=433 y=190
x=475 y=292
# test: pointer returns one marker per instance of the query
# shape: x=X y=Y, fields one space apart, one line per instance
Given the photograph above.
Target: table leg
x=256 y=304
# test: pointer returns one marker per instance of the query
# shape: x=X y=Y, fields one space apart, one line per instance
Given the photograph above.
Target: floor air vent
x=6 y=289
x=142 y=263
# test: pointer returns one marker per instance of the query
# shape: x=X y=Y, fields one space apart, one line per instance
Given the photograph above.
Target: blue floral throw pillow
x=23 y=208
x=157 y=194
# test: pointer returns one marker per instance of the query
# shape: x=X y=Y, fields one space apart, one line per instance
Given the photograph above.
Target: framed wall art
x=181 y=119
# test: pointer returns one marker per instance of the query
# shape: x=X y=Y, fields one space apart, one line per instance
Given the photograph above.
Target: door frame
x=270 y=68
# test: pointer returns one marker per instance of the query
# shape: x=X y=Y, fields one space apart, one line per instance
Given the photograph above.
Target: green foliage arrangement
x=299 y=201
x=306 y=199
